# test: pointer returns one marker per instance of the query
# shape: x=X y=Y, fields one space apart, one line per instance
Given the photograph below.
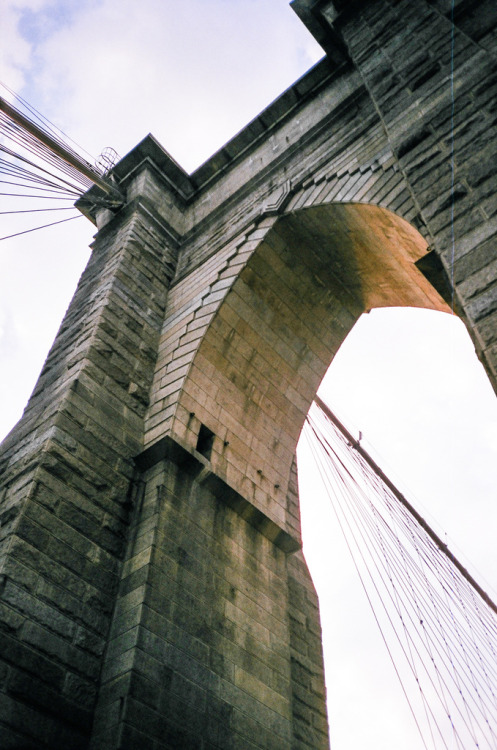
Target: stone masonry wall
x=432 y=77
x=191 y=306
x=199 y=654
x=65 y=501
x=333 y=149
x=145 y=581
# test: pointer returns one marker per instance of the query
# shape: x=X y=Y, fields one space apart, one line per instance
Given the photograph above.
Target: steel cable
x=447 y=630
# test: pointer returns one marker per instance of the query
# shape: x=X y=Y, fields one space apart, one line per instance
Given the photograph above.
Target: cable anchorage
x=56 y=155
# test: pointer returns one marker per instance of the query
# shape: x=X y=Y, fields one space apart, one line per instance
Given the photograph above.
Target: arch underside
x=273 y=336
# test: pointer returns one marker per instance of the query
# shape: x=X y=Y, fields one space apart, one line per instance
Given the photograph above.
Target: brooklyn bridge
x=154 y=591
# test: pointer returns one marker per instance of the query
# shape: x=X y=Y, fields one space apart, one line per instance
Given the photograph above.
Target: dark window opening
x=205 y=441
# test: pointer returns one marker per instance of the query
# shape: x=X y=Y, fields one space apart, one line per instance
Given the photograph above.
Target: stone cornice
x=172 y=448
x=190 y=187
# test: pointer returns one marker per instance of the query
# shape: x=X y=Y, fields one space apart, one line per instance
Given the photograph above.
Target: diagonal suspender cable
x=444 y=624
x=37 y=163
x=439 y=543
x=64 y=153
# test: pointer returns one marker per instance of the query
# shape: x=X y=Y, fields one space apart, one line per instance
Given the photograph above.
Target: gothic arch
x=274 y=333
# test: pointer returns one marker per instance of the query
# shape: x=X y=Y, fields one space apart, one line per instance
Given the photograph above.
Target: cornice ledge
x=171 y=448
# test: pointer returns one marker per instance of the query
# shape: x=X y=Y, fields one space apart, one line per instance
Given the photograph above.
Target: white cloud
x=15 y=52
x=128 y=69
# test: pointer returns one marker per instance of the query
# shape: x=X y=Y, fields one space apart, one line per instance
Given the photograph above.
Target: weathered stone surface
x=152 y=591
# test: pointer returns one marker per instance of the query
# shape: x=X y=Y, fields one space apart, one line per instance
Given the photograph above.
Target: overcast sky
x=193 y=73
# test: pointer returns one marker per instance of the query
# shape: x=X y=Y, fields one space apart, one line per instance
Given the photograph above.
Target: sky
x=194 y=73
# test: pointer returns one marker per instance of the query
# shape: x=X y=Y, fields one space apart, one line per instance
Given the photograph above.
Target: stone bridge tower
x=153 y=594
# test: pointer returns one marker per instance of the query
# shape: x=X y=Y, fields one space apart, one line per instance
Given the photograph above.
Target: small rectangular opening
x=205 y=441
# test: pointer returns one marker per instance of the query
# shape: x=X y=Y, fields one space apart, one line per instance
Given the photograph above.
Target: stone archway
x=271 y=340
x=172 y=612
x=199 y=610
